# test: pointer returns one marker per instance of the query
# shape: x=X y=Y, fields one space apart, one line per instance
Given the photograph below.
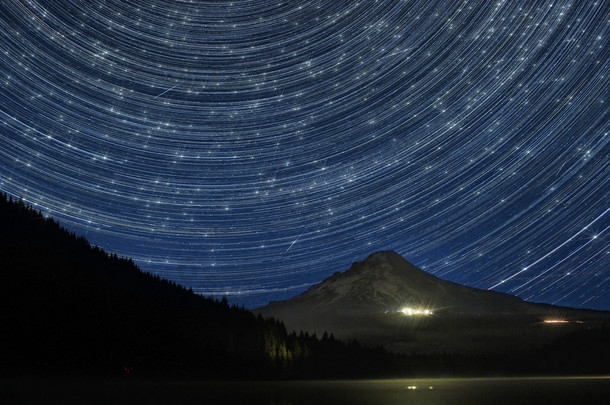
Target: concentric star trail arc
x=253 y=148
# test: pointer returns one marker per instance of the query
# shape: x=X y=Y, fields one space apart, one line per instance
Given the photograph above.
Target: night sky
x=253 y=148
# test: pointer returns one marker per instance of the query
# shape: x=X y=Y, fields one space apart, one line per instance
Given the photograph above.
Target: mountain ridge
x=385 y=300
x=385 y=280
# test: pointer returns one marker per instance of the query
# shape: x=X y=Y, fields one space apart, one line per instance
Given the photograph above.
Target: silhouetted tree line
x=72 y=309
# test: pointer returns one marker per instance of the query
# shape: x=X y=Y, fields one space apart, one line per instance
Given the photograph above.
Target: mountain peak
x=386 y=300
x=388 y=266
x=383 y=280
x=386 y=281
x=385 y=259
x=384 y=255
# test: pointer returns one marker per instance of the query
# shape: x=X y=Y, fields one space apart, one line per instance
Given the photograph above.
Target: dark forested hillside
x=71 y=309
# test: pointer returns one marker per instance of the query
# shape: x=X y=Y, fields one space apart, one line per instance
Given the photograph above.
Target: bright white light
x=416 y=311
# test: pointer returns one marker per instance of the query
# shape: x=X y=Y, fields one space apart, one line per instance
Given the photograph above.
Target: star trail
x=252 y=148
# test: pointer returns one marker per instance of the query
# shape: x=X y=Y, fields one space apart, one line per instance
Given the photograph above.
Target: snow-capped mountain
x=387 y=299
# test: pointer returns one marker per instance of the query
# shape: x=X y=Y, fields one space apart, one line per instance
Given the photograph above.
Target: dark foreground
x=497 y=391
x=70 y=309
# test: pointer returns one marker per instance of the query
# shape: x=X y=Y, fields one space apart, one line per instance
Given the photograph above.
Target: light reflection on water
x=521 y=391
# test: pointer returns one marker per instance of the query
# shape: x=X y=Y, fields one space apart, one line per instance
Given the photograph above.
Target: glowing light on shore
x=416 y=311
x=556 y=321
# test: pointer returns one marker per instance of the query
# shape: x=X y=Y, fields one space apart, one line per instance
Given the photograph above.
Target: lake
x=493 y=391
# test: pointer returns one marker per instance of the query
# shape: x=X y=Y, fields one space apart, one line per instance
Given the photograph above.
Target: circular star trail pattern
x=253 y=148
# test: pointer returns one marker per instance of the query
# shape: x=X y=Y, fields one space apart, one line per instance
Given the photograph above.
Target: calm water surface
x=378 y=392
